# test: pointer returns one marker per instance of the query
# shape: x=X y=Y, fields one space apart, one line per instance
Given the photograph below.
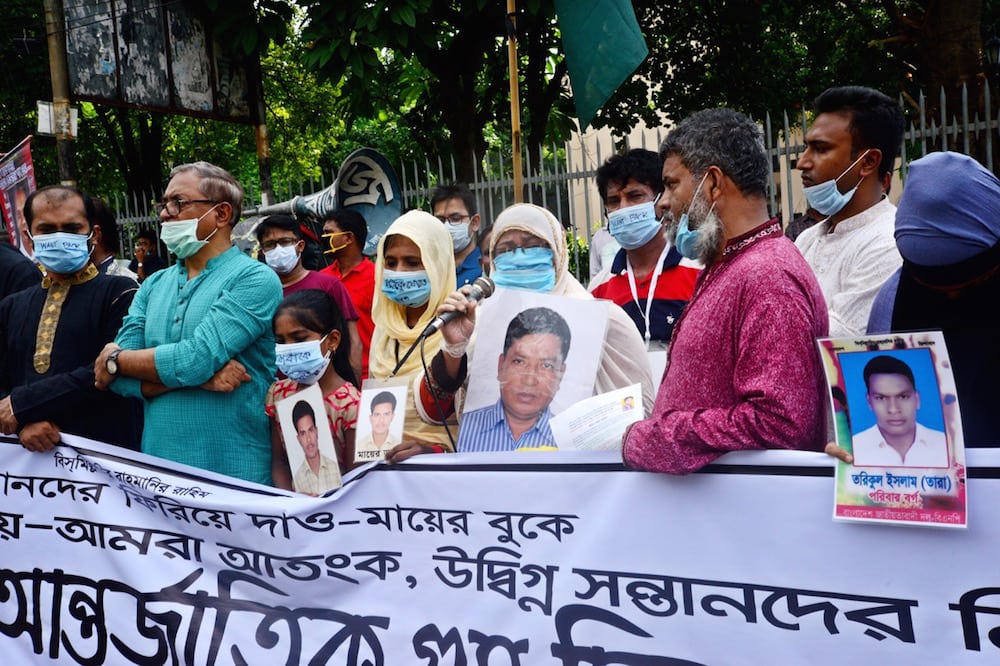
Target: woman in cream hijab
x=414 y=272
x=526 y=239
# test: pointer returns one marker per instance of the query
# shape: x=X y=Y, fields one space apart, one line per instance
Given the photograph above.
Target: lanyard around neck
x=652 y=287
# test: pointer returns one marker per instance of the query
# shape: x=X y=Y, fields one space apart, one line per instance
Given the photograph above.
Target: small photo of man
x=384 y=427
x=892 y=399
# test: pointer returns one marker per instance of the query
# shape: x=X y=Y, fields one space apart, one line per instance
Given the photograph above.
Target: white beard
x=703 y=219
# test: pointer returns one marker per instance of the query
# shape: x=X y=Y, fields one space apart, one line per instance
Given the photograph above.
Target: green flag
x=603 y=47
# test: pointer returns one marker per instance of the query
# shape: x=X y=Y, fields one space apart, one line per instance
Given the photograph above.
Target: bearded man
x=743 y=371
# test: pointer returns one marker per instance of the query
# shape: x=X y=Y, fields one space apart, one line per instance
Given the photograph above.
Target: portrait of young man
x=384 y=429
x=897 y=439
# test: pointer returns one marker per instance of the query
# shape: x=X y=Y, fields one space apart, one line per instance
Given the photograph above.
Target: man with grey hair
x=197 y=344
x=743 y=369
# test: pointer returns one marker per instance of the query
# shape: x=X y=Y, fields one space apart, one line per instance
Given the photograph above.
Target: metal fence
x=563 y=181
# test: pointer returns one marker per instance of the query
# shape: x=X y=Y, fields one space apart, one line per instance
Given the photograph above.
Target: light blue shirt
x=486 y=429
x=196 y=326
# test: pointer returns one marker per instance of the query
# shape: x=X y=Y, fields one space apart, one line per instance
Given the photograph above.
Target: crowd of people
x=188 y=361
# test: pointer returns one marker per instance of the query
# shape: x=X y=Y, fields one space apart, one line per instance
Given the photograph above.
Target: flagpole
x=515 y=101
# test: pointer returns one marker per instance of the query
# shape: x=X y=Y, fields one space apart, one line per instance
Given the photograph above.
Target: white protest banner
x=531 y=558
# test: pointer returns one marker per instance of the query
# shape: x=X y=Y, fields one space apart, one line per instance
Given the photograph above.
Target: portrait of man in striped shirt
x=529 y=371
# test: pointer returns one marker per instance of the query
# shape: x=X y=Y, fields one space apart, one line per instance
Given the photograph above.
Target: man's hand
x=8 y=422
x=103 y=378
x=140 y=254
x=40 y=436
x=840 y=454
x=228 y=378
x=401 y=452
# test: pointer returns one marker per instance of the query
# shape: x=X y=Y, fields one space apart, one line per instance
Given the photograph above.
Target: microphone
x=482 y=288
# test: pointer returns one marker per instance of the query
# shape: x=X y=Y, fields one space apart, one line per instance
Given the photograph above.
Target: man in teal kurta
x=197 y=343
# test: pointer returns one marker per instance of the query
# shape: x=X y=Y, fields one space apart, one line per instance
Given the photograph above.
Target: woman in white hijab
x=529 y=252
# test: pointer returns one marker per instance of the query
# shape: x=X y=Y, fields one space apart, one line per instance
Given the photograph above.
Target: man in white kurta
x=851 y=149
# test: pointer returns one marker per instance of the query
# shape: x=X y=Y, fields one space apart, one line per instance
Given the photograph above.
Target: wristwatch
x=112 y=363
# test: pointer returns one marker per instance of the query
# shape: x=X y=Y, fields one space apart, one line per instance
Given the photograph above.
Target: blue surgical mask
x=634 y=226
x=282 y=259
x=826 y=199
x=181 y=237
x=62 y=252
x=686 y=240
x=409 y=288
x=529 y=268
x=303 y=362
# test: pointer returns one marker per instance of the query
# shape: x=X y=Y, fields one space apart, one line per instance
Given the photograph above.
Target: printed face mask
x=303 y=362
x=62 y=252
x=529 y=268
x=409 y=288
x=181 y=237
x=826 y=198
x=634 y=226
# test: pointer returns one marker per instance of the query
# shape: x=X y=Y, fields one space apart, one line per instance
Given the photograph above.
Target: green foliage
x=579 y=256
x=416 y=78
x=24 y=78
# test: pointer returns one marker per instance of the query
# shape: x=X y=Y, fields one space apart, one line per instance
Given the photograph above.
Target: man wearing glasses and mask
x=282 y=242
x=455 y=206
x=197 y=344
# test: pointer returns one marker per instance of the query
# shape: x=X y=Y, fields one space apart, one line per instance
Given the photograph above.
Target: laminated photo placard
x=534 y=356
x=305 y=428
x=381 y=415
x=895 y=409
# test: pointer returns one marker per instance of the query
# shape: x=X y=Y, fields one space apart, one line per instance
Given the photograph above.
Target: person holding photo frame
x=414 y=271
x=313 y=347
x=529 y=252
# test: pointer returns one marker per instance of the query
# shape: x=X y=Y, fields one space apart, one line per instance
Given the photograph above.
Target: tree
x=24 y=78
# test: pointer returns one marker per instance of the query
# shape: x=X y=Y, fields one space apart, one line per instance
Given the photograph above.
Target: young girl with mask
x=414 y=272
x=313 y=347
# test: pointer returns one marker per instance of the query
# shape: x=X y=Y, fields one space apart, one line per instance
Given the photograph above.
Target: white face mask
x=459 y=232
x=282 y=259
x=181 y=237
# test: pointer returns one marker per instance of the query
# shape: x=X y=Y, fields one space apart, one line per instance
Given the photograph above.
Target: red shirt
x=360 y=284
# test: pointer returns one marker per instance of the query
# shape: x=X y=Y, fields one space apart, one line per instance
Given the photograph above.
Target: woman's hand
x=458 y=331
x=401 y=452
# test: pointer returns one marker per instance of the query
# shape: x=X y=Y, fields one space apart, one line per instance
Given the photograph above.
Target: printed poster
x=17 y=181
x=312 y=457
x=381 y=416
x=534 y=356
x=895 y=410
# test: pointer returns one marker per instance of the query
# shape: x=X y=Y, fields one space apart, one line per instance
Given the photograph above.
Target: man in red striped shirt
x=647 y=264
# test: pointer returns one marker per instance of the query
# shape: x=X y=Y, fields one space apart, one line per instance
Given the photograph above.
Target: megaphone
x=366 y=183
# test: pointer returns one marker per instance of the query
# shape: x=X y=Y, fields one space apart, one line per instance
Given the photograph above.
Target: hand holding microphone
x=460 y=305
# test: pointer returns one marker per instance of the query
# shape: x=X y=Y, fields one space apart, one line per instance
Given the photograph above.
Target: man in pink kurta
x=744 y=371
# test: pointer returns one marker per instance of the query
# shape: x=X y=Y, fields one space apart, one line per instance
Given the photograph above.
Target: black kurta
x=65 y=395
